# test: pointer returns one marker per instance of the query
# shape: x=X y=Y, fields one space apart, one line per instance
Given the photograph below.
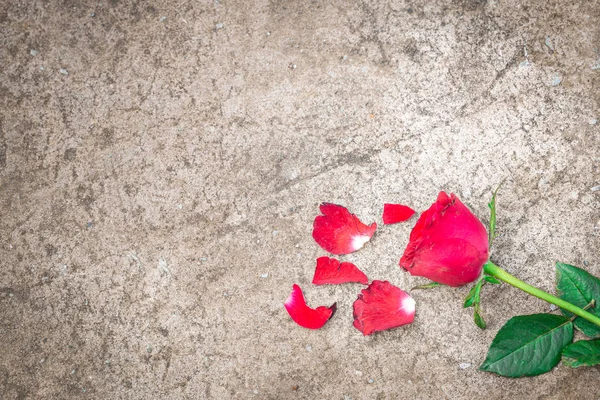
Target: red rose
x=448 y=245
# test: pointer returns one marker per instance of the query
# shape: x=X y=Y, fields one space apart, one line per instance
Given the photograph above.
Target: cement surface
x=161 y=164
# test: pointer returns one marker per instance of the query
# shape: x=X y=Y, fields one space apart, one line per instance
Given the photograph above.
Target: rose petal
x=454 y=262
x=382 y=306
x=339 y=232
x=394 y=213
x=330 y=270
x=303 y=315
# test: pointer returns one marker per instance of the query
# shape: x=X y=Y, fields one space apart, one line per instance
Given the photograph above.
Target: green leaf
x=470 y=299
x=582 y=353
x=427 y=286
x=473 y=299
x=492 y=280
x=474 y=295
x=492 y=206
x=478 y=319
x=528 y=345
x=579 y=288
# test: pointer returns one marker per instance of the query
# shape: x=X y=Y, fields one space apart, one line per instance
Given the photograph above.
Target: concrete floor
x=161 y=164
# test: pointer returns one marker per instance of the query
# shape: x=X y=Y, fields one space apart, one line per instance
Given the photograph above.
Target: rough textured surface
x=158 y=161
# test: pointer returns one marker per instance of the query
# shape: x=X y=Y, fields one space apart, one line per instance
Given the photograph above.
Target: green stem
x=492 y=269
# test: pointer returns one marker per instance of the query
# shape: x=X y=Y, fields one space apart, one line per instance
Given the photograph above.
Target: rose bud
x=448 y=245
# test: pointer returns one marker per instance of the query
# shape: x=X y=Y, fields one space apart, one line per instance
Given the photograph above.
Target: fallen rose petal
x=303 y=315
x=339 y=232
x=394 y=213
x=330 y=270
x=382 y=306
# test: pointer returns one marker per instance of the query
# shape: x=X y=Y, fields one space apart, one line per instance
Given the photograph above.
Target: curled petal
x=340 y=232
x=394 y=213
x=303 y=315
x=330 y=270
x=382 y=306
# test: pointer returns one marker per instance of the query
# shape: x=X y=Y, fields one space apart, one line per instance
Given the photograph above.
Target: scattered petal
x=394 y=213
x=339 y=232
x=303 y=315
x=382 y=306
x=330 y=270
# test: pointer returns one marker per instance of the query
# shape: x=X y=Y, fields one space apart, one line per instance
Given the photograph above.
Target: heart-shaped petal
x=340 y=232
x=382 y=306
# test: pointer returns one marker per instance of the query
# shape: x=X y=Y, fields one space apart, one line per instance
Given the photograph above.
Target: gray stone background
x=161 y=164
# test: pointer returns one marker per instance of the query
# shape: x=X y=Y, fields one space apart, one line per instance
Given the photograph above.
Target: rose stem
x=492 y=269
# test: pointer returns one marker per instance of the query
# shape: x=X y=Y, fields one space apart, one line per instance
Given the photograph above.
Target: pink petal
x=394 y=213
x=303 y=315
x=330 y=270
x=339 y=232
x=382 y=306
